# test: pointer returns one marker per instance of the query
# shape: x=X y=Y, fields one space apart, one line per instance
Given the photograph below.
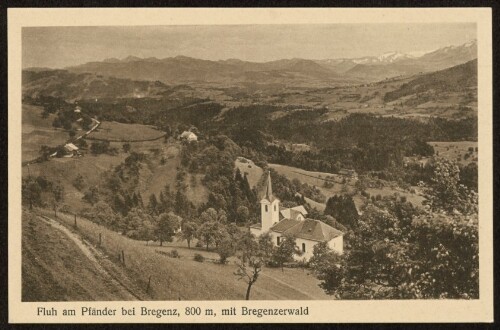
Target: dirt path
x=93 y=255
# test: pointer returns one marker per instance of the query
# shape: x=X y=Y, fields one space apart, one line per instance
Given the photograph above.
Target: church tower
x=269 y=207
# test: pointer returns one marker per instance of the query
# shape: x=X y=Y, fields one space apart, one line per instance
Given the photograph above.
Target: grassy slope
x=111 y=130
x=38 y=131
x=454 y=150
x=184 y=278
x=254 y=172
x=153 y=175
x=55 y=269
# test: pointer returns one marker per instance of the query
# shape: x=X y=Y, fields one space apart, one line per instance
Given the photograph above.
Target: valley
x=174 y=163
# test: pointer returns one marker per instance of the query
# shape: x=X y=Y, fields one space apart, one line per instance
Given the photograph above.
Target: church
x=279 y=222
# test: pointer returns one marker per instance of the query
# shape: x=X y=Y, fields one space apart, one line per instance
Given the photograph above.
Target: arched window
x=303 y=247
x=278 y=240
x=274 y=208
x=266 y=208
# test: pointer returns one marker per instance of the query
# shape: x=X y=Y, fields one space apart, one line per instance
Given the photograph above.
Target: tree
x=285 y=251
x=167 y=225
x=249 y=272
x=225 y=249
x=78 y=182
x=242 y=213
x=266 y=246
x=327 y=265
x=188 y=232
x=126 y=147
x=248 y=246
x=446 y=193
x=211 y=232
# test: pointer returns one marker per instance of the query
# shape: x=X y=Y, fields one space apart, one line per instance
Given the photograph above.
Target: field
x=254 y=172
x=54 y=268
x=316 y=179
x=153 y=175
x=456 y=151
x=113 y=131
x=185 y=279
x=38 y=131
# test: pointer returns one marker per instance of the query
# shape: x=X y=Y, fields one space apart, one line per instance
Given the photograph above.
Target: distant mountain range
x=297 y=72
x=394 y=64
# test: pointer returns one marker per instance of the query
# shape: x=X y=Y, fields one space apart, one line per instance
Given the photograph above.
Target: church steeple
x=269 y=206
x=269 y=188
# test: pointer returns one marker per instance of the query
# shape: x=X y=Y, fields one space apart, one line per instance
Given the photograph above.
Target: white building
x=280 y=222
x=189 y=136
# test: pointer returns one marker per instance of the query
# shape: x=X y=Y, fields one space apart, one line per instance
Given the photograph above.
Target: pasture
x=457 y=151
x=114 y=131
x=185 y=279
x=254 y=172
x=37 y=131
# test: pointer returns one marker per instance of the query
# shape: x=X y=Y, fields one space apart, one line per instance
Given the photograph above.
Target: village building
x=71 y=150
x=78 y=109
x=280 y=222
x=188 y=136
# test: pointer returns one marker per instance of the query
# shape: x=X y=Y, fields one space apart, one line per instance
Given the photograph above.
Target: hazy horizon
x=59 y=47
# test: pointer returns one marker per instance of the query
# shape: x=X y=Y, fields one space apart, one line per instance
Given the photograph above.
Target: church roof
x=309 y=229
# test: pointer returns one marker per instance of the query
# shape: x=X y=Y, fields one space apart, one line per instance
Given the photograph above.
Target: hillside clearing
x=455 y=151
x=186 y=279
x=58 y=266
x=114 y=131
x=38 y=131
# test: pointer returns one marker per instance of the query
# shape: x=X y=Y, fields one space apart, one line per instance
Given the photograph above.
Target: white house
x=189 y=136
x=71 y=150
x=280 y=222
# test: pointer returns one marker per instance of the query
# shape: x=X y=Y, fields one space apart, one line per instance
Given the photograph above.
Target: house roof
x=186 y=134
x=309 y=229
x=70 y=147
x=300 y=209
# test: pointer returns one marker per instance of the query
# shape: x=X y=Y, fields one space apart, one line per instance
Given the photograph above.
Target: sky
x=58 y=47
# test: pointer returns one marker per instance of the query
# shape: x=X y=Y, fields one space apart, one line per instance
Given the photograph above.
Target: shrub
x=174 y=254
x=198 y=257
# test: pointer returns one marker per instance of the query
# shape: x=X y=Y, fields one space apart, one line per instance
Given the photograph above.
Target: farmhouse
x=71 y=150
x=281 y=222
x=78 y=109
x=188 y=136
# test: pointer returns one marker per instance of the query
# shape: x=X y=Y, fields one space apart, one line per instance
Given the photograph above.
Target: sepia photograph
x=250 y=162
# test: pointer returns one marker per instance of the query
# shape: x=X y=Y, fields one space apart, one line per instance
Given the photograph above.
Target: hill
x=60 y=266
x=460 y=78
x=182 y=69
x=38 y=131
x=171 y=278
x=72 y=86
x=393 y=64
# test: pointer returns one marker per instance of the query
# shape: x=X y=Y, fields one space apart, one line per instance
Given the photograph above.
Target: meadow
x=38 y=131
x=114 y=131
x=186 y=279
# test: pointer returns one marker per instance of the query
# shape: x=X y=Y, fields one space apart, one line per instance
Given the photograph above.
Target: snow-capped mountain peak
x=393 y=56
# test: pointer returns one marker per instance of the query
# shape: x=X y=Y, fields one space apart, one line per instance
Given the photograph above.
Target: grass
x=55 y=269
x=114 y=131
x=455 y=150
x=313 y=178
x=415 y=199
x=254 y=172
x=186 y=279
x=38 y=131
x=65 y=170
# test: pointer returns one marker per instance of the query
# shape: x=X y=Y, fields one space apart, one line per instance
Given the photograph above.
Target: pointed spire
x=269 y=189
